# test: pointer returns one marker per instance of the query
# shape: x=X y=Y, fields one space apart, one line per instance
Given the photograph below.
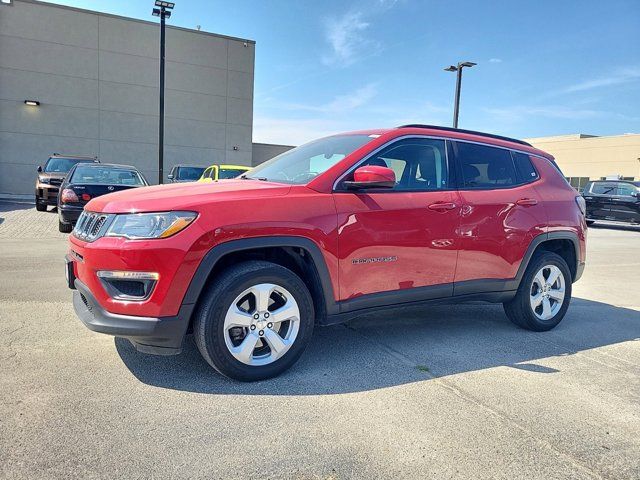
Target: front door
x=403 y=238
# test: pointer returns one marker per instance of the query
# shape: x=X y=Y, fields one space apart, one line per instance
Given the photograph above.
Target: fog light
x=127 y=285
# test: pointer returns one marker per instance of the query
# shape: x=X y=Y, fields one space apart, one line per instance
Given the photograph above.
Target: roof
x=114 y=165
x=471 y=132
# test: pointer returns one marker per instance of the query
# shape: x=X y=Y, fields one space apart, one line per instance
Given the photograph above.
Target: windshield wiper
x=262 y=179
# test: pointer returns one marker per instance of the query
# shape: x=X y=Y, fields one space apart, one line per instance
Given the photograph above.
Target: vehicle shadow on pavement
x=400 y=347
x=612 y=226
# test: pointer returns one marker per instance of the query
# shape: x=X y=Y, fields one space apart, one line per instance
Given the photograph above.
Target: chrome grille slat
x=89 y=225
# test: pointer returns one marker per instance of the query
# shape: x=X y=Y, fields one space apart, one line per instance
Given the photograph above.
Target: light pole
x=164 y=11
x=458 y=70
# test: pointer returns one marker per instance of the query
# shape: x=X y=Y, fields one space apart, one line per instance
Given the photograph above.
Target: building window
x=578 y=182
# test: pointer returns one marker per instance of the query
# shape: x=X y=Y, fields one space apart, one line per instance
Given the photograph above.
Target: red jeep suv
x=323 y=233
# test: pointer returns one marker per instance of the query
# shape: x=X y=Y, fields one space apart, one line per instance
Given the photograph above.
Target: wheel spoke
x=278 y=345
x=262 y=294
x=553 y=275
x=546 y=309
x=244 y=351
x=237 y=318
x=539 y=278
x=289 y=311
x=536 y=300
x=557 y=294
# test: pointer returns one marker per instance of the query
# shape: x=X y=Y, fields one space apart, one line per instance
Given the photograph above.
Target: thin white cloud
x=340 y=104
x=345 y=37
x=619 y=76
x=495 y=60
x=522 y=112
x=295 y=131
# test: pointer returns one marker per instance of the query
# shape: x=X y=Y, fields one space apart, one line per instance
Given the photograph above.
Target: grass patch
x=423 y=368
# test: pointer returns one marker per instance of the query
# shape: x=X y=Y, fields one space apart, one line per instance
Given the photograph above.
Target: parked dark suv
x=50 y=177
x=612 y=200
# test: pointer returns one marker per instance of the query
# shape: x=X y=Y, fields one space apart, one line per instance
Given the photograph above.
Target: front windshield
x=190 y=173
x=226 y=173
x=106 y=176
x=302 y=164
x=59 y=165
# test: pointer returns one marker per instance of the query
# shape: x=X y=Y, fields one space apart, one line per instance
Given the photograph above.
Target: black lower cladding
x=157 y=335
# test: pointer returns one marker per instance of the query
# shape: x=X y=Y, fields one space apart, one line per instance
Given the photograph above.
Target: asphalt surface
x=442 y=392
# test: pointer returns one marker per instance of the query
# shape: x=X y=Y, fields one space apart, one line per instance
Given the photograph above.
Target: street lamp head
x=466 y=64
x=168 y=5
x=156 y=12
x=451 y=68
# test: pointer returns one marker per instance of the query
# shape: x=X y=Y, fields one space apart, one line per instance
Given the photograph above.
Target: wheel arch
x=299 y=254
x=564 y=243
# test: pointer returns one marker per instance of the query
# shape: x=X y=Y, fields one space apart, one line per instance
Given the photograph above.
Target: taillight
x=86 y=197
x=68 y=196
x=582 y=205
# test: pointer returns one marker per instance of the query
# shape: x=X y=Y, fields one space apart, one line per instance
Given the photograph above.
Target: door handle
x=442 y=207
x=527 y=202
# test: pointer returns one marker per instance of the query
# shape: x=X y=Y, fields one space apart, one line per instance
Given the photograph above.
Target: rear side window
x=524 y=168
x=604 y=188
x=484 y=167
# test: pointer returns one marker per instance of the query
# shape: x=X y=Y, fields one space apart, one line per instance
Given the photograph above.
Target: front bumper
x=155 y=335
x=47 y=194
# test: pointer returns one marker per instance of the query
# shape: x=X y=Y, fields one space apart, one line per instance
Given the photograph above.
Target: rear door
x=599 y=200
x=501 y=213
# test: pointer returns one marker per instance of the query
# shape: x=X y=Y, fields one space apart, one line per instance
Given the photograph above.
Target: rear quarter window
x=524 y=168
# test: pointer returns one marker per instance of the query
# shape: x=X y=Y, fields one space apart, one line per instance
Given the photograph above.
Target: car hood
x=184 y=196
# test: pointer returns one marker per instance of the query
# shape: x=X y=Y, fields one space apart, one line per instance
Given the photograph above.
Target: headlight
x=150 y=225
x=43 y=179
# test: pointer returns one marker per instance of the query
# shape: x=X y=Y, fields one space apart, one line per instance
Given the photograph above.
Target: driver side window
x=420 y=164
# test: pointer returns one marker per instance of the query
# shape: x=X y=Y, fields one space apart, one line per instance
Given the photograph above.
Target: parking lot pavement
x=440 y=392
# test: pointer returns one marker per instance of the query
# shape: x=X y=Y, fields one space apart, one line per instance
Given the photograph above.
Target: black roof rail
x=473 y=132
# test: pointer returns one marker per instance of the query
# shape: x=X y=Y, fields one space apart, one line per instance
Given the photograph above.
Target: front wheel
x=544 y=294
x=254 y=321
x=590 y=222
x=41 y=207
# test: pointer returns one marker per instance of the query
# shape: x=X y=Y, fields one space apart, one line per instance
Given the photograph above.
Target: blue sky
x=544 y=67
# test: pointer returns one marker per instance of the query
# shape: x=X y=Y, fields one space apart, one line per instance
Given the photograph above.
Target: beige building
x=589 y=157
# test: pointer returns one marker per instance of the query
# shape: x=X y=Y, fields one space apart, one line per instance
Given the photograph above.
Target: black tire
x=590 y=222
x=41 y=207
x=519 y=309
x=208 y=326
x=65 y=227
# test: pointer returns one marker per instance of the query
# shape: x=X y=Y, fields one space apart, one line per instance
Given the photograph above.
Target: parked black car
x=612 y=200
x=51 y=175
x=185 y=173
x=86 y=181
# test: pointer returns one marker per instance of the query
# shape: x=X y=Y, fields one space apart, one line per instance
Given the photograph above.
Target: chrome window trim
x=334 y=188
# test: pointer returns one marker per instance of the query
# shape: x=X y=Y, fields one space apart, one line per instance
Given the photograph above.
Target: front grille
x=90 y=225
x=55 y=181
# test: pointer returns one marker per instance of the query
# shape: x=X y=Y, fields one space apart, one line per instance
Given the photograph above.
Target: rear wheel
x=254 y=321
x=544 y=294
x=65 y=227
x=590 y=222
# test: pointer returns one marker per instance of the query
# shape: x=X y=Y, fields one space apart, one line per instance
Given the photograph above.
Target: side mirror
x=372 y=176
x=39 y=169
x=170 y=176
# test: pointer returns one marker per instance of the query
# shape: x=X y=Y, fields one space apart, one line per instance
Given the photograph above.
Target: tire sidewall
x=541 y=261
x=216 y=307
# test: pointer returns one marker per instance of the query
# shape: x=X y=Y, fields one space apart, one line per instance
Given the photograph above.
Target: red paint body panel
x=392 y=225
x=414 y=240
